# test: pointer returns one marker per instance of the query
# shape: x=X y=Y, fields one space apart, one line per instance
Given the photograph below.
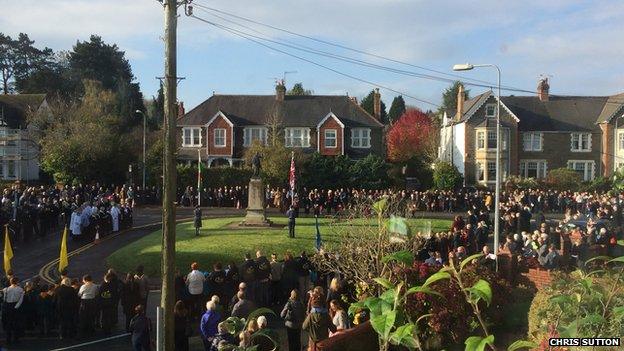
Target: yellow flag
x=8 y=250
x=63 y=263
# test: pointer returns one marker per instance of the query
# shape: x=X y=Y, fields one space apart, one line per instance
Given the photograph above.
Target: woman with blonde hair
x=245 y=336
x=293 y=314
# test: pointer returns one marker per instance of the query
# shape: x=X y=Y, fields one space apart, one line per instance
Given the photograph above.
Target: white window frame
x=334 y=138
x=620 y=140
x=190 y=131
x=480 y=176
x=304 y=137
x=579 y=140
x=589 y=168
x=485 y=133
x=361 y=138
x=493 y=107
x=541 y=168
x=481 y=140
x=248 y=135
x=222 y=137
x=530 y=138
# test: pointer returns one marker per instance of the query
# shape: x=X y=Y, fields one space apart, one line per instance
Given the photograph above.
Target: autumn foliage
x=411 y=136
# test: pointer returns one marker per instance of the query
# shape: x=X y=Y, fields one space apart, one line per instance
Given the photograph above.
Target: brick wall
x=330 y=123
x=219 y=123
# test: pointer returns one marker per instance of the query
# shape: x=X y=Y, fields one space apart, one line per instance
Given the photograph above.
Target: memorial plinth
x=256 y=215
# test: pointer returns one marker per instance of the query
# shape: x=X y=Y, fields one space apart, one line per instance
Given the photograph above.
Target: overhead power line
x=326 y=42
x=248 y=37
x=465 y=80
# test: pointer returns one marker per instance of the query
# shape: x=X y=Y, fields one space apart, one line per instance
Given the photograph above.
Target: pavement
x=39 y=258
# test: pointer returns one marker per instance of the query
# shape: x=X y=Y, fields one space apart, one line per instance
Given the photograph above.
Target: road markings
x=92 y=342
x=46 y=271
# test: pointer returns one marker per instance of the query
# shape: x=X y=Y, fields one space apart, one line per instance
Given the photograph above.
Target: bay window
x=330 y=138
x=219 y=137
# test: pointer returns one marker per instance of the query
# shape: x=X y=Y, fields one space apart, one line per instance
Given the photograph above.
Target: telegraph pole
x=167 y=300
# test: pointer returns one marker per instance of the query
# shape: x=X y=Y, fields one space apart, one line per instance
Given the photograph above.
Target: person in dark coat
x=140 y=328
x=67 y=303
x=130 y=298
x=108 y=308
x=182 y=327
x=292 y=215
x=293 y=314
x=197 y=220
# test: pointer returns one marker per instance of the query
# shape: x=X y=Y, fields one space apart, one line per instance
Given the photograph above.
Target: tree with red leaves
x=413 y=135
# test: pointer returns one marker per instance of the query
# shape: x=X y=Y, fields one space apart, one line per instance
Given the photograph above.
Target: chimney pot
x=461 y=98
x=180 y=109
x=377 y=104
x=542 y=89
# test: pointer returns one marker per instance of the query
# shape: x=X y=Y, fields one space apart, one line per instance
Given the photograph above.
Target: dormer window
x=490 y=110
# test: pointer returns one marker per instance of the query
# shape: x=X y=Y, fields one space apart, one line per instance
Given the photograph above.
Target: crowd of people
x=70 y=308
x=35 y=212
x=306 y=299
x=330 y=201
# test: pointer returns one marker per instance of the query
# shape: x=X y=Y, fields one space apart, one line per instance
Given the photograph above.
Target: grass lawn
x=221 y=244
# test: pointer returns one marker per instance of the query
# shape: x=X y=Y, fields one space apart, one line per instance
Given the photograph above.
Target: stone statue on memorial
x=256 y=165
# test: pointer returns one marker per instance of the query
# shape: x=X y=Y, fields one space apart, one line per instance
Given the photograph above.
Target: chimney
x=354 y=99
x=461 y=98
x=377 y=104
x=180 y=109
x=542 y=89
x=280 y=91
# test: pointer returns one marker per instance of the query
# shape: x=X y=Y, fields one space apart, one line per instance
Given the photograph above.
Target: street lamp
x=144 y=129
x=468 y=67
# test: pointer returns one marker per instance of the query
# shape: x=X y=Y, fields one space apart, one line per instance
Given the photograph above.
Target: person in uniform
x=197 y=220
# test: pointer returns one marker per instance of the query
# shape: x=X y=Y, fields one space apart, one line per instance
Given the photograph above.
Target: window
x=480 y=140
x=490 y=110
x=480 y=172
x=191 y=137
x=360 y=138
x=219 y=137
x=491 y=139
x=297 y=137
x=533 y=169
x=330 y=138
x=581 y=142
x=11 y=169
x=1 y=170
x=491 y=171
x=621 y=140
x=252 y=134
x=532 y=141
x=584 y=168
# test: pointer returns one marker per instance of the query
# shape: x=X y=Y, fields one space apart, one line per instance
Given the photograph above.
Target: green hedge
x=213 y=177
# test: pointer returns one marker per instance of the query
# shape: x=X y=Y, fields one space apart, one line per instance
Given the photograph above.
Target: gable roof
x=559 y=113
x=14 y=108
x=294 y=111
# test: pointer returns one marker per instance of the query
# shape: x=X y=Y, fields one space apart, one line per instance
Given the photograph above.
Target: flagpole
x=199 y=167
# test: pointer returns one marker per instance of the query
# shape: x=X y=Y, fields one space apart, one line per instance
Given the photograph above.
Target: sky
x=577 y=44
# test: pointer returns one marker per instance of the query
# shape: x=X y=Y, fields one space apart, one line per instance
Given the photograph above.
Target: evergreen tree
x=368 y=104
x=298 y=89
x=449 y=98
x=396 y=109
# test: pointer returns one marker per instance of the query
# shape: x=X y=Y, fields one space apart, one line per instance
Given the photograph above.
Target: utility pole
x=167 y=300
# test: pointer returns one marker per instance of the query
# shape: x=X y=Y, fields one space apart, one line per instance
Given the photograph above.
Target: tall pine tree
x=397 y=109
x=449 y=98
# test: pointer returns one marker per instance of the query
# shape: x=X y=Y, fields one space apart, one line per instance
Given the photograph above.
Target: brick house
x=223 y=126
x=539 y=133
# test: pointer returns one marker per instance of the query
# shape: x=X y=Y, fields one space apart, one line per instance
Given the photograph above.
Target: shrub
x=579 y=305
x=446 y=176
x=515 y=182
x=563 y=179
